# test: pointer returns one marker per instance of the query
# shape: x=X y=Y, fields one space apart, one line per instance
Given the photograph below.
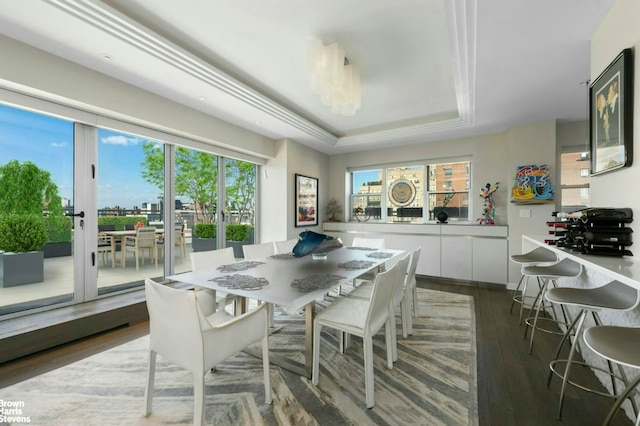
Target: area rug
x=432 y=383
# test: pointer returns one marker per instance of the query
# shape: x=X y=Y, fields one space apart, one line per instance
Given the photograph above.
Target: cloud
x=58 y=144
x=121 y=140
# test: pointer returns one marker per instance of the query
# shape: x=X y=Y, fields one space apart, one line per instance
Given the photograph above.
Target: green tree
x=27 y=189
x=240 y=188
x=196 y=177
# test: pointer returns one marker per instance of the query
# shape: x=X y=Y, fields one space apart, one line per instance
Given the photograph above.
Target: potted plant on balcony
x=22 y=237
x=237 y=236
x=58 y=236
x=204 y=237
x=29 y=190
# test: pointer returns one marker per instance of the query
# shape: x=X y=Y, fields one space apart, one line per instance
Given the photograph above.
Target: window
x=410 y=193
x=119 y=181
x=574 y=179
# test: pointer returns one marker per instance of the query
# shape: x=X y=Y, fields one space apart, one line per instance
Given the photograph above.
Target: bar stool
x=537 y=256
x=612 y=296
x=566 y=268
x=619 y=345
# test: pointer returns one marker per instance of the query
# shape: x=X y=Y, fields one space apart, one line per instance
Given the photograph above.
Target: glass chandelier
x=333 y=78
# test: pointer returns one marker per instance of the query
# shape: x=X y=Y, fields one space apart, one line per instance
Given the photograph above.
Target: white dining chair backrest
x=255 y=251
x=285 y=246
x=180 y=332
x=368 y=242
x=398 y=285
x=380 y=299
x=211 y=258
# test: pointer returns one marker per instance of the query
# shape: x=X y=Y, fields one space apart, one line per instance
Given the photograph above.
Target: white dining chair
x=285 y=246
x=411 y=290
x=377 y=243
x=196 y=342
x=254 y=251
x=368 y=242
x=210 y=299
x=398 y=299
x=363 y=318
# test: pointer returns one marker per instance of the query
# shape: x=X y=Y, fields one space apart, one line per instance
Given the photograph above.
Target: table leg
x=305 y=369
x=310 y=314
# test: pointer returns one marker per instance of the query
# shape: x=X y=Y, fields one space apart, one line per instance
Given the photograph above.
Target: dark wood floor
x=511 y=383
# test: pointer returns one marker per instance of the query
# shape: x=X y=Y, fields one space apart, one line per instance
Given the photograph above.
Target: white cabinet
x=463 y=252
x=457 y=253
x=490 y=260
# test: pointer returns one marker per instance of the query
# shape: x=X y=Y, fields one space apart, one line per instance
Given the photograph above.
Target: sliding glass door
x=36 y=194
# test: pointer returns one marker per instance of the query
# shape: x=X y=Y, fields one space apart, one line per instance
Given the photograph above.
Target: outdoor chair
x=145 y=239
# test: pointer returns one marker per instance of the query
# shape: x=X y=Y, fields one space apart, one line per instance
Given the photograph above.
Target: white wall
x=273 y=196
x=618 y=31
x=494 y=158
x=529 y=144
x=277 y=189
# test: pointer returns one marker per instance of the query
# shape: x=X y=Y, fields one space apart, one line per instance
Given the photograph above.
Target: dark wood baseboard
x=26 y=335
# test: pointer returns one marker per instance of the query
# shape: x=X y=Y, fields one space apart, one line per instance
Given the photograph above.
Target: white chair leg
x=392 y=354
x=403 y=318
x=270 y=313
x=198 y=399
x=415 y=302
x=368 y=370
x=392 y=334
x=148 y=390
x=265 y=366
x=315 y=372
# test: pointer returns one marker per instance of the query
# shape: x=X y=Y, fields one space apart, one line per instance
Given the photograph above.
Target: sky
x=365 y=176
x=48 y=142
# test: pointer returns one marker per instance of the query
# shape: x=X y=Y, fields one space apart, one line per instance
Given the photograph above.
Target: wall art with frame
x=306 y=192
x=611 y=116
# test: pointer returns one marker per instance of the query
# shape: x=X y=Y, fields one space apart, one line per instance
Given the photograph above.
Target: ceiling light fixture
x=334 y=78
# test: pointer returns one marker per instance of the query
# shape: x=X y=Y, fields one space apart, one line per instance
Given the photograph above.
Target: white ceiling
x=430 y=69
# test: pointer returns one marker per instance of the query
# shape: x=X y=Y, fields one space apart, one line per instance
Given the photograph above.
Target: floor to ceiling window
x=131 y=225
x=60 y=178
x=36 y=191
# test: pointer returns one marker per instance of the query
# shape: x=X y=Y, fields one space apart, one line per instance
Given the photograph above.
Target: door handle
x=81 y=214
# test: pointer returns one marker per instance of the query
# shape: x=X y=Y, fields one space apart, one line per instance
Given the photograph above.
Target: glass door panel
x=36 y=191
x=240 y=196
x=130 y=210
x=196 y=202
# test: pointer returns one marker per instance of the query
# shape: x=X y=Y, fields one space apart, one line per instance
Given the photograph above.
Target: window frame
x=423 y=193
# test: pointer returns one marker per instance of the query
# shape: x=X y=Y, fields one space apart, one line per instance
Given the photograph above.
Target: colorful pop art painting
x=532 y=185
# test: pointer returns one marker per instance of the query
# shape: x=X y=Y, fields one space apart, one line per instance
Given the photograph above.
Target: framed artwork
x=532 y=185
x=611 y=116
x=306 y=201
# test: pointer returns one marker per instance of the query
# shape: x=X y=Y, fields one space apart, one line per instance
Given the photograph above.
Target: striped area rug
x=432 y=383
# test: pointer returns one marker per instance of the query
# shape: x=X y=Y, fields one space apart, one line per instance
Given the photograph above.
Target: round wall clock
x=402 y=192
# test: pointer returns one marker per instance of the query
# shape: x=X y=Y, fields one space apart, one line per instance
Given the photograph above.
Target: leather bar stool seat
x=614 y=296
x=537 y=256
x=566 y=268
x=619 y=345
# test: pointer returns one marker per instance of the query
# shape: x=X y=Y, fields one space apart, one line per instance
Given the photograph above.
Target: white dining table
x=292 y=282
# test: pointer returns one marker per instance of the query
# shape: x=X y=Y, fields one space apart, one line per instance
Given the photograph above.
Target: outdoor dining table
x=291 y=282
x=120 y=234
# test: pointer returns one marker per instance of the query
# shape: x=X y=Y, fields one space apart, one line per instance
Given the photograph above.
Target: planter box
x=21 y=268
x=237 y=248
x=57 y=249
x=203 y=244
